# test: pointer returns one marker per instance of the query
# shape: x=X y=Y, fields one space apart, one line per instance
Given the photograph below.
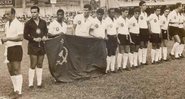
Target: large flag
x=71 y=57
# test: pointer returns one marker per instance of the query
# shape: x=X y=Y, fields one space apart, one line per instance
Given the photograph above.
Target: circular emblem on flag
x=155 y=20
x=79 y=22
x=164 y=22
x=141 y=17
x=122 y=25
x=134 y=24
x=38 y=31
x=96 y=26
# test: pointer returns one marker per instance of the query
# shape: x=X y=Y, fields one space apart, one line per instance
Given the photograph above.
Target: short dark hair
x=100 y=11
x=117 y=10
x=60 y=10
x=88 y=6
x=109 y=10
x=35 y=7
x=13 y=11
x=141 y=3
x=136 y=9
x=156 y=7
x=178 y=4
x=124 y=9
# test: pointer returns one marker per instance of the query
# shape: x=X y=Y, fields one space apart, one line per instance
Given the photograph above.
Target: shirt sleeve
x=130 y=23
x=20 y=28
x=150 y=18
x=75 y=21
x=51 y=28
x=27 y=32
x=65 y=29
x=170 y=17
x=46 y=29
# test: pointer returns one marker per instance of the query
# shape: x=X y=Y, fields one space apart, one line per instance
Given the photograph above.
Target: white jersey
x=111 y=26
x=122 y=26
x=83 y=25
x=56 y=28
x=181 y=20
x=13 y=29
x=164 y=22
x=143 y=18
x=99 y=28
x=173 y=18
x=154 y=23
x=133 y=25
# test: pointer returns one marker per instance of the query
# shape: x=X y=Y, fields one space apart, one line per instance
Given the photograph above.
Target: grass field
x=162 y=81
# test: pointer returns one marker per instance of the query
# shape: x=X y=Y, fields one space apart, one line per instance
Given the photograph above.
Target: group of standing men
x=128 y=37
x=36 y=32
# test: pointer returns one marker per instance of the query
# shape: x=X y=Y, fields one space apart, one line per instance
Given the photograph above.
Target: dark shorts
x=164 y=34
x=155 y=38
x=112 y=44
x=36 y=50
x=144 y=35
x=173 y=31
x=181 y=32
x=124 y=39
x=15 y=53
x=135 y=38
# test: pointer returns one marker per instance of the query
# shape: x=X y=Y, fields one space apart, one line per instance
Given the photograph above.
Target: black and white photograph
x=92 y=49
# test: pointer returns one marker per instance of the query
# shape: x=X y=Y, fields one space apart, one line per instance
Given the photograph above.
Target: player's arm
x=149 y=25
x=14 y=39
x=26 y=34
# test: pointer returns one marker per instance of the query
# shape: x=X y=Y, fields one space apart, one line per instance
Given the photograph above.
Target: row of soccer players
x=130 y=36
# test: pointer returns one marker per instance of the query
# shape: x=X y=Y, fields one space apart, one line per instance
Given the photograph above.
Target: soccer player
x=13 y=50
x=134 y=33
x=181 y=34
x=155 y=30
x=144 y=34
x=173 y=18
x=123 y=39
x=35 y=31
x=112 y=39
x=98 y=25
x=164 y=31
x=83 y=22
x=57 y=27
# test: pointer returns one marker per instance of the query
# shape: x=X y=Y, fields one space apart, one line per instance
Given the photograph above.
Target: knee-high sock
x=144 y=55
x=160 y=53
x=119 y=60
x=19 y=81
x=177 y=51
x=39 y=76
x=135 y=59
x=157 y=55
x=13 y=79
x=181 y=49
x=125 y=60
x=113 y=58
x=164 y=53
x=174 y=47
x=153 y=51
x=140 y=55
x=31 y=74
x=108 y=64
x=131 y=58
